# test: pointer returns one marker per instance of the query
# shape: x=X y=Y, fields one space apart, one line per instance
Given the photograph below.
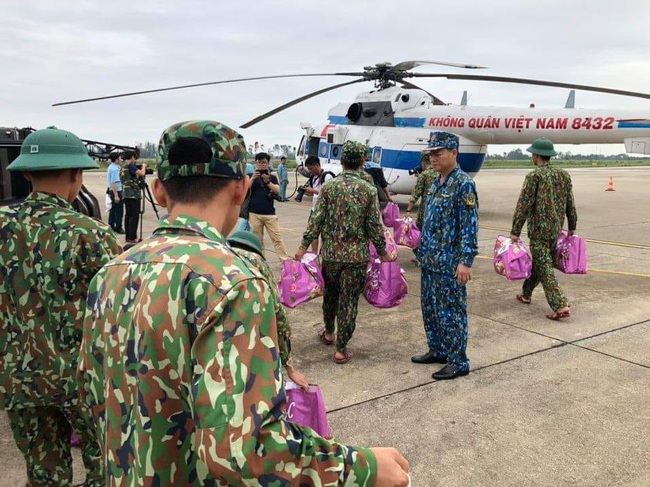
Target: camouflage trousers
x=344 y=283
x=43 y=436
x=542 y=251
x=444 y=312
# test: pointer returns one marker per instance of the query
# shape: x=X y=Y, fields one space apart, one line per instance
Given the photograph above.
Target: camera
x=301 y=193
x=147 y=171
x=416 y=171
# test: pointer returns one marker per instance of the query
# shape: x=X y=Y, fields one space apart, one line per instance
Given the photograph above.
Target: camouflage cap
x=442 y=140
x=227 y=145
x=354 y=151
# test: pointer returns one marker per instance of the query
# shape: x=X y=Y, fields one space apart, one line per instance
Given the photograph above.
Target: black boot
x=428 y=358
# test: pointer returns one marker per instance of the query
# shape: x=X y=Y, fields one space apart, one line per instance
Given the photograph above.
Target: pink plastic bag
x=75 y=441
x=307 y=408
x=386 y=286
x=391 y=246
x=407 y=233
x=301 y=281
x=390 y=215
x=512 y=259
x=570 y=254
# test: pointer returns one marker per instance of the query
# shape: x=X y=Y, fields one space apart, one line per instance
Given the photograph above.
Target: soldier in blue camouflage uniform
x=447 y=248
x=546 y=197
x=346 y=217
x=180 y=360
x=48 y=254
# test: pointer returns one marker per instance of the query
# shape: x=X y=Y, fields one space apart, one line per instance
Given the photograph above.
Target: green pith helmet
x=246 y=240
x=542 y=147
x=51 y=149
x=227 y=146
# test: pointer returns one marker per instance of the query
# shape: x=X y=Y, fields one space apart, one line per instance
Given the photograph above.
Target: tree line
x=148 y=150
x=519 y=155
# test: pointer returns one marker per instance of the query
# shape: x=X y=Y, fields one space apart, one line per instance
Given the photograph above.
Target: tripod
x=146 y=196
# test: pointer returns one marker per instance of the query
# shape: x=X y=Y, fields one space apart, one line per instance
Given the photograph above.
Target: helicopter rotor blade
x=436 y=100
x=195 y=85
x=296 y=101
x=408 y=65
x=524 y=81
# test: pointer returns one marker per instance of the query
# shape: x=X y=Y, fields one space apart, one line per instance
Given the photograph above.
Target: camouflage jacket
x=424 y=181
x=545 y=198
x=48 y=255
x=130 y=187
x=284 y=329
x=180 y=367
x=346 y=217
x=450 y=227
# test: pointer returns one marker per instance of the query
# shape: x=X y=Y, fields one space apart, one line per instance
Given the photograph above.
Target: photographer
x=313 y=186
x=264 y=191
x=132 y=194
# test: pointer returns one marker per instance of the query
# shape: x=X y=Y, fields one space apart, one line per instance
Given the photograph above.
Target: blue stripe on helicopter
x=409 y=122
x=405 y=160
x=339 y=120
x=634 y=125
x=398 y=121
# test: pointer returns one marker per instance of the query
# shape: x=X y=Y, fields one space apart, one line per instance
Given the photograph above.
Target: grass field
x=488 y=164
x=499 y=164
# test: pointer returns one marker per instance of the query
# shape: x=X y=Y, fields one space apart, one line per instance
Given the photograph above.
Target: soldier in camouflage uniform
x=447 y=248
x=546 y=197
x=48 y=254
x=423 y=184
x=132 y=194
x=250 y=247
x=179 y=360
x=346 y=217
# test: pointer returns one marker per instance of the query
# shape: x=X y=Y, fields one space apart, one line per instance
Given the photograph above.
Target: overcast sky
x=63 y=50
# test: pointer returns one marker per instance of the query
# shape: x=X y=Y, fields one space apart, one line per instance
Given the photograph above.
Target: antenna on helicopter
x=571 y=100
x=463 y=100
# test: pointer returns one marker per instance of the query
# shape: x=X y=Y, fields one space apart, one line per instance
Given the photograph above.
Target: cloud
x=56 y=51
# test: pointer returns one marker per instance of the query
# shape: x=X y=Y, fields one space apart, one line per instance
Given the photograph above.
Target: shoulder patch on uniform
x=470 y=200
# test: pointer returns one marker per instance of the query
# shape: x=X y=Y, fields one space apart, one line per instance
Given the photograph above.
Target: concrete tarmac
x=546 y=403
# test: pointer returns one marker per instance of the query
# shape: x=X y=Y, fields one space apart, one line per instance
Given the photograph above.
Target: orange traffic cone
x=610 y=185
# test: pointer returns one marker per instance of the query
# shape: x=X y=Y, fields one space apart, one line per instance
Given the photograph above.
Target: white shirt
x=316 y=184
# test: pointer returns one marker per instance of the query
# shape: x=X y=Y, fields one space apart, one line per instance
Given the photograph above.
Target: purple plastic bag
x=390 y=215
x=391 y=246
x=307 y=408
x=511 y=259
x=75 y=441
x=570 y=254
x=407 y=233
x=386 y=286
x=301 y=281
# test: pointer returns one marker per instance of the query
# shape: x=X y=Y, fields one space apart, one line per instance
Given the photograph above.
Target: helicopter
x=396 y=119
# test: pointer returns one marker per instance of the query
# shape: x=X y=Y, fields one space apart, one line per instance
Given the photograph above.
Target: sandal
x=323 y=338
x=347 y=355
x=523 y=299
x=558 y=316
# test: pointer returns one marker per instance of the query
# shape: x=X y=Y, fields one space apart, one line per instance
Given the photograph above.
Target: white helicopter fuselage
x=396 y=123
